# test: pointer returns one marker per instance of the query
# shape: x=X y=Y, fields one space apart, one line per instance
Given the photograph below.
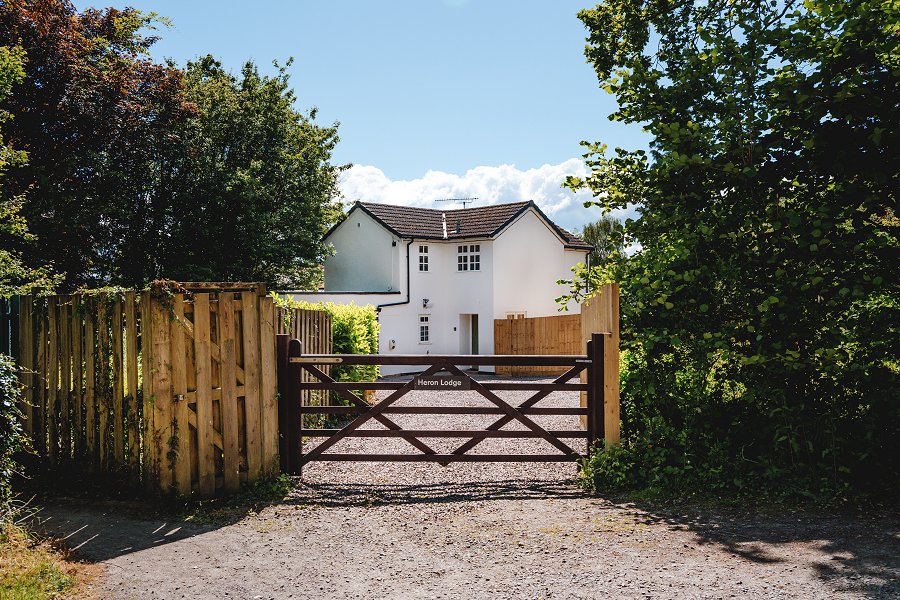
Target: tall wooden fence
x=178 y=393
x=559 y=334
x=314 y=330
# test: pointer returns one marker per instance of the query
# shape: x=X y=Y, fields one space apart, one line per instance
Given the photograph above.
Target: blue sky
x=435 y=98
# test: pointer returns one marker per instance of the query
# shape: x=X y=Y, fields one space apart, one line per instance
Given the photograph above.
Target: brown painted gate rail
x=292 y=363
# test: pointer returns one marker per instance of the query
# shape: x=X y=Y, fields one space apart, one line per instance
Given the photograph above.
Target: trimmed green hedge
x=354 y=331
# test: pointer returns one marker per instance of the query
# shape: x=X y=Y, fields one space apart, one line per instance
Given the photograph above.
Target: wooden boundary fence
x=178 y=393
x=559 y=334
x=567 y=334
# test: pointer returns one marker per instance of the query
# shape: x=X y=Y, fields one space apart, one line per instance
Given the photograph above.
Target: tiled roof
x=477 y=222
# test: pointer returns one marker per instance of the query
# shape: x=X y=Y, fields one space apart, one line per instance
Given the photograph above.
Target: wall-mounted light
x=425 y=302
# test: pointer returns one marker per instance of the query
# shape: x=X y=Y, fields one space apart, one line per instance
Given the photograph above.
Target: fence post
x=282 y=340
x=595 y=352
x=289 y=419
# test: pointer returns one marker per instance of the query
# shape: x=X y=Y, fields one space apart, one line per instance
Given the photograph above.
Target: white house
x=439 y=278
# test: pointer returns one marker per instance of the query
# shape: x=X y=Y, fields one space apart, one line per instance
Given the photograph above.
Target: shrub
x=354 y=331
x=12 y=436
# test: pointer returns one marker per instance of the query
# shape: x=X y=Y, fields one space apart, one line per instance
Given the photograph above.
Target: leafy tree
x=15 y=277
x=607 y=236
x=251 y=185
x=760 y=314
x=92 y=113
x=139 y=171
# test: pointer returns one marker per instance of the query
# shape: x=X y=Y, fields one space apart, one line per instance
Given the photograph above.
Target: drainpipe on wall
x=380 y=306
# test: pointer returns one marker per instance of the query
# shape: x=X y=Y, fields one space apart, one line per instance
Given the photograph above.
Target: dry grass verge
x=32 y=568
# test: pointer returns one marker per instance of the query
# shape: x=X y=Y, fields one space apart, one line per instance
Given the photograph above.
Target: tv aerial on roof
x=463 y=201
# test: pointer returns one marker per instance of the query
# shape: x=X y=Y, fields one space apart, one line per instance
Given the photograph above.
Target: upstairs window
x=468 y=257
x=423 y=258
x=424 y=329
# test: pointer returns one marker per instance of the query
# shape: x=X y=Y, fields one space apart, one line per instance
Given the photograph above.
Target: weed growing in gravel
x=251 y=499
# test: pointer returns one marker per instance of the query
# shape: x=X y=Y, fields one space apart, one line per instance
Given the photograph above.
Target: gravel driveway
x=478 y=530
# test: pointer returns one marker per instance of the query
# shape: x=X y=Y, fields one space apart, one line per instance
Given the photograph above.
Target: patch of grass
x=33 y=569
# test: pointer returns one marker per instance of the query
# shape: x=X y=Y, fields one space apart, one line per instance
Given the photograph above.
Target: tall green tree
x=92 y=113
x=15 y=276
x=760 y=314
x=607 y=236
x=139 y=170
x=250 y=182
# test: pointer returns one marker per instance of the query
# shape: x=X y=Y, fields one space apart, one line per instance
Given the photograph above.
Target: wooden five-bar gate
x=293 y=364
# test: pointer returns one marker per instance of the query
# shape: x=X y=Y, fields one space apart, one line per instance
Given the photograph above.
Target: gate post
x=282 y=341
x=595 y=425
x=289 y=419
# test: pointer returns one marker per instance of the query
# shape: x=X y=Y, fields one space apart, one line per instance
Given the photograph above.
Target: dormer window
x=423 y=259
x=468 y=257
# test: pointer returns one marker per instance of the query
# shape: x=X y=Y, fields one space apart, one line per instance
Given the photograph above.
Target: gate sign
x=442 y=382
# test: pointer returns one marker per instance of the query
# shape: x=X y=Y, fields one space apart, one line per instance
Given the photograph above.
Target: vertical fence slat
x=180 y=438
x=90 y=379
x=52 y=379
x=118 y=388
x=268 y=385
x=131 y=382
x=228 y=402
x=250 y=324
x=206 y=465
x=161 y=400
x=77 y=341
x=26 y=356
x=149 y=472
x=65 y=374
x=104 y=390
x=39 y=410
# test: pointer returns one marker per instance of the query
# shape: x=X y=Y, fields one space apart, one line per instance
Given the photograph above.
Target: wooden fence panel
x=178 y=392
x=556 y=334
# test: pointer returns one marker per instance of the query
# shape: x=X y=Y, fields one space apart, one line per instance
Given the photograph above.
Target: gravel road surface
x=485 y=530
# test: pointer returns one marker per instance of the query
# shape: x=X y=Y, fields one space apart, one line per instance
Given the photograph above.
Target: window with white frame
x=468 y=257
x=424 y=329
x=423 y=258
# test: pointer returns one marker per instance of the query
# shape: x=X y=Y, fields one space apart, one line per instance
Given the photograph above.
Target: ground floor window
x=424 y=329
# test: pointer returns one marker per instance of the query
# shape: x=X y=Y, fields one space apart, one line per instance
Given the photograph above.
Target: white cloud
x=491 y=185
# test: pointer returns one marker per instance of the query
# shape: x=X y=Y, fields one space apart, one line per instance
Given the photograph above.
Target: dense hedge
x=12 y=437
x=354 y=331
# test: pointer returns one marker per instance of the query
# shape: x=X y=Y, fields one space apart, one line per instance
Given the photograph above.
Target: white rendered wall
x=367 y=257
x=450 y=293
x=529 y=259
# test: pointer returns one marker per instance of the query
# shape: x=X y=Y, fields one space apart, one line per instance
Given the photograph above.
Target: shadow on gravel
x=332 y=495
x=860 y=554
x=98 y=531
